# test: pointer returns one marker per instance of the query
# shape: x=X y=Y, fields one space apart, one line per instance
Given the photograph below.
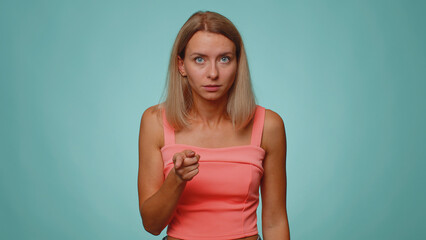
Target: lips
x=211 y=87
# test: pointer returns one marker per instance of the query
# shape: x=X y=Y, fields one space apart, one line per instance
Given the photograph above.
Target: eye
x=225 y=59
x=199 y=60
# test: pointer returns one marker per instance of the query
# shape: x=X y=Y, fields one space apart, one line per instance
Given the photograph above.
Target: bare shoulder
x=151 y=125
x=152 y=114
x=273 y=130
x=274 y=124
x=273 y=120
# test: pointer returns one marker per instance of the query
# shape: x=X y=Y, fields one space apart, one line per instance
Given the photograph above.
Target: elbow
x=151 y=226
x=152 y=230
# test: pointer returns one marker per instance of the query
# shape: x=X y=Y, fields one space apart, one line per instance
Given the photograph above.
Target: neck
x=209 y=113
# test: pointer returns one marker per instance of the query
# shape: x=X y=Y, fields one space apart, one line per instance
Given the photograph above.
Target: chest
x=220 y=137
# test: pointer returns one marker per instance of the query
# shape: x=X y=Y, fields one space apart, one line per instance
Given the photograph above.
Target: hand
x=186 y=164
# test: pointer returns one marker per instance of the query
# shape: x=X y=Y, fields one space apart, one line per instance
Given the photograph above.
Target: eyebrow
x=203 y=55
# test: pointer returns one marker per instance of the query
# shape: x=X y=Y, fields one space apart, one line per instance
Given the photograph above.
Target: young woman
x=205 y=151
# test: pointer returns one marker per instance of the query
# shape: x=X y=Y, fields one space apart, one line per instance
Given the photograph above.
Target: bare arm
x=158 y=197
x=273 y=186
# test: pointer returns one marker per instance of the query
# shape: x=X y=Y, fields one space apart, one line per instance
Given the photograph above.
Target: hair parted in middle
x=241 y=101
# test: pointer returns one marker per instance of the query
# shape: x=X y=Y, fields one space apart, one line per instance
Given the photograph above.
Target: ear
x=181 y=67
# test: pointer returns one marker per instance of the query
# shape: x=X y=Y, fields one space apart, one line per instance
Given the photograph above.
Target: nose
x=213 y=72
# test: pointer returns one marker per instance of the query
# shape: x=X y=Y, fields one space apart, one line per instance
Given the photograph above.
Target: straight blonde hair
x=241 y=101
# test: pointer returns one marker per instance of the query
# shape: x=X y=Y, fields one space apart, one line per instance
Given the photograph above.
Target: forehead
x=209 y=43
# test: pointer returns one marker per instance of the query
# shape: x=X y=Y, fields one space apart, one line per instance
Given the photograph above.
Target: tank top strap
x=169 y=131
x=259 y=119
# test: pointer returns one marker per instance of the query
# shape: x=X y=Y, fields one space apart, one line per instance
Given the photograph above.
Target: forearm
x=276 y=231
x=157 y=210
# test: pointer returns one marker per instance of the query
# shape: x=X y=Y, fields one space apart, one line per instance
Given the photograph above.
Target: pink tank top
x=220 y=202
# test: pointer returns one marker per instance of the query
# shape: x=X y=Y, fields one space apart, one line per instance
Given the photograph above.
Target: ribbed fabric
x=220 y=202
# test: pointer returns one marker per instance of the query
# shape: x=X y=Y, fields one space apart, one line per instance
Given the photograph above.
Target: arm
x=273 y=186
x=158 y=197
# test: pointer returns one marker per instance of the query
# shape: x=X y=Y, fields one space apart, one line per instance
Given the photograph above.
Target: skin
x=209 y=60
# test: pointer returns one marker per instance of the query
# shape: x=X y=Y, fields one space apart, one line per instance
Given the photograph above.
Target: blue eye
x=225 y=59
x=199 y=60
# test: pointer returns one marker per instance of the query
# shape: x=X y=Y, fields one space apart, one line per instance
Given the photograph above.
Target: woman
x=205 y=151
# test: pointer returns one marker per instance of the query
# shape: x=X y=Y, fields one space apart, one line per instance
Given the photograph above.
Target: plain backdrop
x=347 y=77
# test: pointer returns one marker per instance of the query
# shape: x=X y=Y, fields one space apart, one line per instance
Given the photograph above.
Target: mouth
x=211 y=87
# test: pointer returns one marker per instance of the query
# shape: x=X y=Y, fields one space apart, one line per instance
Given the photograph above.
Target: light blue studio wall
x=346 y=76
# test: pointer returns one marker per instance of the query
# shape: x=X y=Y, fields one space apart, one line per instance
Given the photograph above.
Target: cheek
x=194 y=73
x=194 y=77
x=230 y=73
x=194 y=80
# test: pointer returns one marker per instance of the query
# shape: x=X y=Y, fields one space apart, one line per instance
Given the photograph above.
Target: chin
x=211 y=96
x=214 y=98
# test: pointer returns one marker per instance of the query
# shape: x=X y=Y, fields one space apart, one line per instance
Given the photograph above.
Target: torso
x=205 y=141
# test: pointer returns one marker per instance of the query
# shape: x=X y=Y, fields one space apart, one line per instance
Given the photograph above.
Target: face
x=210 y=65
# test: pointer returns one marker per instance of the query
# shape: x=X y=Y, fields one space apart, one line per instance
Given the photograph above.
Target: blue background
x=348 y=78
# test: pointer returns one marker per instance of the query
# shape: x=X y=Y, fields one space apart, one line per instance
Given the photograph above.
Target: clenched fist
x=186 y=164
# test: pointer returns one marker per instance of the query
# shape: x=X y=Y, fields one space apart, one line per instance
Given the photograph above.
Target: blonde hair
x=241 y=101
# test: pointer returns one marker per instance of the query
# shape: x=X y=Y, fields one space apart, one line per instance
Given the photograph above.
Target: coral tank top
x=220 y=202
